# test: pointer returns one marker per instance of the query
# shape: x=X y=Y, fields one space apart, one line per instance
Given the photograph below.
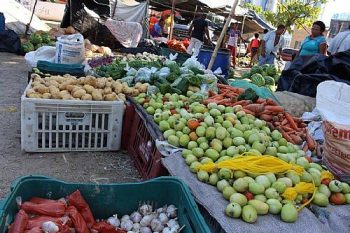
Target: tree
x=298 y=13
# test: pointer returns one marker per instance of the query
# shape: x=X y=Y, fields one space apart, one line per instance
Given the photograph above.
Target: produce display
x=90 y=49
x=265 y=75
x=37 y=40
x=87 y=88
x=255 y=167
x=73 y=214
x=178 y=46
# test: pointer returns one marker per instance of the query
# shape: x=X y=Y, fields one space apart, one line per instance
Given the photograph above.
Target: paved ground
x=98 y=167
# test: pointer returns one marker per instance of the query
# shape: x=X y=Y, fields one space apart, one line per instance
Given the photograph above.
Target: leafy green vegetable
x=194 y=80
x=27 y=47
x=248 y=94
x=181 y=84
x=35 y=39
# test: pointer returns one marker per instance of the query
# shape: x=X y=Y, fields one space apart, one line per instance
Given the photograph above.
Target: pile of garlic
x=145 y=220
x=69 y=87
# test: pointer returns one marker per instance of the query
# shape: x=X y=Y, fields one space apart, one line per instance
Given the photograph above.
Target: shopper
x=340 y=43
x=254 y=47
x=157 y=30
x=232 y=40
x=197 y=30
x=316 y=42
x=271 y=45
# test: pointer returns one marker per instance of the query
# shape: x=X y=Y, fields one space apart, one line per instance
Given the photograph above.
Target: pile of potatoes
x=68 y=87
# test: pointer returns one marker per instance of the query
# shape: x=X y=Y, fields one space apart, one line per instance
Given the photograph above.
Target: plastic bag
x=333 y=103
x=173 y=57
x=192 y=62
x=78 y=220
x=53 y=209
x=19 y=225
x=44 y=53
x=169 y=62
x=104 y=227
x=70 y=49
x=152 y=90
x=77 y=200
x=128 y=79
x=163 y=72
x=143 y=75
x=34 y=230
x=131 y=72
x=200 y=95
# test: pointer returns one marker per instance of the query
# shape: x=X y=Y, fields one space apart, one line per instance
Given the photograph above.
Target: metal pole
x=239 y=48
x=223 y=32
x=115 y=8
x=31 y=18
x=172 y=19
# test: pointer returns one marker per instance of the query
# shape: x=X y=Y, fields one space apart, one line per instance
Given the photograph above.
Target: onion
x=156 y=225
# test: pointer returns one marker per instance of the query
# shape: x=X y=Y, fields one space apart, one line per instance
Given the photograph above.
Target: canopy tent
x=128 y=10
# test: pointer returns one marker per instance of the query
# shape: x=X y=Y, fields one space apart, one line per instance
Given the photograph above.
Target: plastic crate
x=127 y=123
x=142 y=147
x=49 y=125
x=108 y=199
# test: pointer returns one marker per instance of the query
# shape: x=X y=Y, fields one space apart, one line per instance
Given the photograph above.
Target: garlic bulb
x=172 y=222
x=114 y=221
x=136 y=217
x=146 y=220
x=166 y=230
x=136 y=227
x=161 y=210
x=127 y=225
x=145 y=230
x=125 y=217
x=163 y=218
x=49 y=227
x=145 y=209
x=171 y=211
x=156 y=225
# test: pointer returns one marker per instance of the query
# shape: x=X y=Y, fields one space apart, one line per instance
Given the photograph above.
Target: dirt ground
x=97 y=167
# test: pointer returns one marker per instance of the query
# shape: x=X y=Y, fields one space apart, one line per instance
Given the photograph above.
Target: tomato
x=326 y=181
x=249 y=195
x=337 y=199
x=192 y=124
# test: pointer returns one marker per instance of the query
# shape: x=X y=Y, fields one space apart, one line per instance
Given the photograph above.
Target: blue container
x=2 y=22
x=222 y=59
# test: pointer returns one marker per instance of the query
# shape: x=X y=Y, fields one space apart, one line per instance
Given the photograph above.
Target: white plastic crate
x=49 y=125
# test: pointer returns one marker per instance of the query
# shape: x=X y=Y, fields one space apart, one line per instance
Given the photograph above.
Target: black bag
x=306 y=73
x=10 y=42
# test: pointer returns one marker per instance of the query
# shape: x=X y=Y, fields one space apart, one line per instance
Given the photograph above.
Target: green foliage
x=297 y=13
x=27 y=47
x=258 y=80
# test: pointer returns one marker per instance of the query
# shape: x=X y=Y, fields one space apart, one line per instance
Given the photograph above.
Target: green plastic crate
x=181 y=57
x=108 y=199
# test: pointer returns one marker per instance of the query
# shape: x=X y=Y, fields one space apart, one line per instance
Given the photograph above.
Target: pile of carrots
x=293 y=129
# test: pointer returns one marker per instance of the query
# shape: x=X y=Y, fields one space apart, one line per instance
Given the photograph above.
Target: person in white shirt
x=271 y=44
x=340 y=43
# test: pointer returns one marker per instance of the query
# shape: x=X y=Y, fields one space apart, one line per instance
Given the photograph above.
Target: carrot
x=303 y=125
x=241 y=102
x=265 y=117
x=271 y=102
x=284 y=122
x=260 y=101
x=286 y=136
x=257 y=108
x=271 y=126
x=305 y=147
x=275 y=118
x=274 y=108
x=291 y=121
x=249 y=112
x=298 y=120
x=230 y=94
x=296 y=139
x=276 y=123
x=266 y=112
x=211 y=93
x=310 y=141
x=287 y=129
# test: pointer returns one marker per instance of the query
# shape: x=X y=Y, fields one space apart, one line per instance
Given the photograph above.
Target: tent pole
x=239 y=48
x=115 y=8
x=31 y=18
x=223 y=32
x=172 y=19
x=147 y=17
x=195 y=12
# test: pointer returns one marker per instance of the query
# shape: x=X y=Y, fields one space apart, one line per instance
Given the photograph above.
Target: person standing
x=254 y=47
x=271 y=45
x=316 y=42
x=197 y=30
x=152 y=21
x=232 y=40
x=340 y=43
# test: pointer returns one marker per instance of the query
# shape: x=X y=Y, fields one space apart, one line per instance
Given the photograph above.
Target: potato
x=81 y=81
x=35 y=95
x=70 y=87
x=46 y=96
x=35 y=76
x=56 y=95
x=101 y=83
x=67 y=97
x=108 y=84
x=53 y=90
x=76 y=88
x=135 y=92
x=42 y=89
x=107 y=90
x=36 y=83
x=30 y=91
x=110 y=79
x=138 y=85
x=96 y=95
x=122 y=96
x=88 y=88
x=63 y=86
x=89 y=80
x=94 y=48
x=110 y=97
x=79 y=93
x=86 y=97
x=53 y=83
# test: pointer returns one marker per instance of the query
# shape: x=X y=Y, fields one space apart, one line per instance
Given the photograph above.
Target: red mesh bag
x=20 y=223
x=104 y=227
x=78 y=201
x=34 y=230
x=39 y=220
x=78 y=220
x=53 y=209
x=39 y=200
